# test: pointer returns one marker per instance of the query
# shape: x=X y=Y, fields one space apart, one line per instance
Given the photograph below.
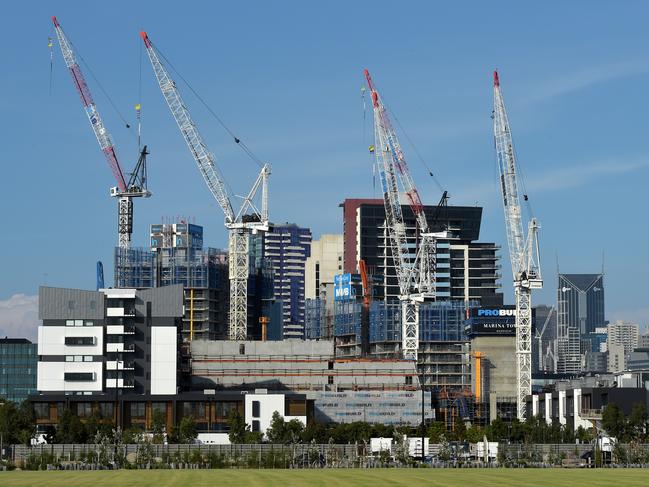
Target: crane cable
x=101 y=87
x=50 y=45
x=412 y=144
x=236 y=139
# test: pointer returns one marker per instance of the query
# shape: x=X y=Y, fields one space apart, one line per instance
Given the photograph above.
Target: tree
x=637 y=424
x=16 y=422
x=276 y=432
x=237 y=427
x=436 y=430
x=401 y=449
x=158 y=426
x=70 y=429
x=474 y=434
x=316 y=431
x=614 y=422
x=187 y=432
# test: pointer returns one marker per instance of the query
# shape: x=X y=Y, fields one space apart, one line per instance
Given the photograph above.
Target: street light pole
x=423 y=425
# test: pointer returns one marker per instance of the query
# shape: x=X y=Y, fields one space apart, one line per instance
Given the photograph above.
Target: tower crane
x=523 y=249
x=125 y=191
x=239 y=224
x=416 y=277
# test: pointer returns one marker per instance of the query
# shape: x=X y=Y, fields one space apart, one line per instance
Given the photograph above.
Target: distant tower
x=580 y=310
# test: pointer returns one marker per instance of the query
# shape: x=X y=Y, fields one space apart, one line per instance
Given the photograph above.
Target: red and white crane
x=125 y=191
x=416 y=277
x=239 y=224
x=523 y=249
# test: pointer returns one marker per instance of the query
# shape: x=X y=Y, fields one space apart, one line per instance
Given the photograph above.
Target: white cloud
x=19 y=316
x=579 y=175
x=565 y=83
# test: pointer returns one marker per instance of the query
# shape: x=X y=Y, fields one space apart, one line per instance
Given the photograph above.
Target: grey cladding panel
x=165 y=301
x=56 y=303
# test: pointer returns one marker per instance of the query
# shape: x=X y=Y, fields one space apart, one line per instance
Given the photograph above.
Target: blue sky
x=286 y=77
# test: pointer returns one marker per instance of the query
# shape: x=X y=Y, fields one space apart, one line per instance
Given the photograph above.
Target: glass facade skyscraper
x=580 y=310
x=18 y=363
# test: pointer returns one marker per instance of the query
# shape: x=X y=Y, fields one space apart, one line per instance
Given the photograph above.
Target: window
x=69 y=358
x=84 y=409
x=80 y=341
x=69 y=322
x=194 y=409
x=106 y=409
x=242 y=349
x=78 y=358
x=89 y=323
x=255 y=410
x=78 y=322
x=330 y=365
x=137 y=410
x=79 y=376
x=255 y=425
x=294 y=407
x=159 y=406
x=408 y=380
x=330 y=379
x=42 y=410
x=87 y=358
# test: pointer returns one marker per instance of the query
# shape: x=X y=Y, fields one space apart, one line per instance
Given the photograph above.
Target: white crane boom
x=239 y=224
x=523 y=252
x=124 y=191
x=416 y=277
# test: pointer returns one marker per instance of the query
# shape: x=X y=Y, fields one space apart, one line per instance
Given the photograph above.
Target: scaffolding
x=134 y=268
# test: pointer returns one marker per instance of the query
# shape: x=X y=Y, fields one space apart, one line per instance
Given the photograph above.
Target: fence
x=20 y=453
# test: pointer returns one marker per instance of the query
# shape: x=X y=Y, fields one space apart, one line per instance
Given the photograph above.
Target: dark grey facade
x=286 y=248
x=466 y=269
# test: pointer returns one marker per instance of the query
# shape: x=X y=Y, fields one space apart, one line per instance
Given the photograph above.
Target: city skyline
x=573 y=84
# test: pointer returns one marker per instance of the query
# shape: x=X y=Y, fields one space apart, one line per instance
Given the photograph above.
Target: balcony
x=119 y=365
x=119 y=347
x=119 y=384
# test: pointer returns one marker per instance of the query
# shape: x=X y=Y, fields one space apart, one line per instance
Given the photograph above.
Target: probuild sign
x=492 y=321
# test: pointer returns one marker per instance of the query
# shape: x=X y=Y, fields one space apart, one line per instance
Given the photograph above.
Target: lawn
x=331 y=478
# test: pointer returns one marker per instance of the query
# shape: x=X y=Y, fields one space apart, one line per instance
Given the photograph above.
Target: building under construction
x=177 y=256
x=385 y=391
x=443 y=359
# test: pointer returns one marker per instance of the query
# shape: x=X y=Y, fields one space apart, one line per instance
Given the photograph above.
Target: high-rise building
x=181 y=259
x=544 y=342
x=325 y=261
x=467 y=270
x=18 y=359
x=286 y=249
x=625 y=335
x=176 y=256
x=580 y=308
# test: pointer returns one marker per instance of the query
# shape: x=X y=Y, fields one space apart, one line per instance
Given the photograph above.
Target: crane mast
x=124 y=191
x=523 y=250
x=416 y=277
x=239 y=224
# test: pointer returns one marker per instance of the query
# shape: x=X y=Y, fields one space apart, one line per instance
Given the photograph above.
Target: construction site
x=403 y=322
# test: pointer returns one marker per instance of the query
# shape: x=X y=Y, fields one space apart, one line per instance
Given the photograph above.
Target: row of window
x=79 y=323
x=80 y=341
x=78 y=358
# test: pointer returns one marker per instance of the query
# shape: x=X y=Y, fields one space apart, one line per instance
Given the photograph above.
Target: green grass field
x=330 y=478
